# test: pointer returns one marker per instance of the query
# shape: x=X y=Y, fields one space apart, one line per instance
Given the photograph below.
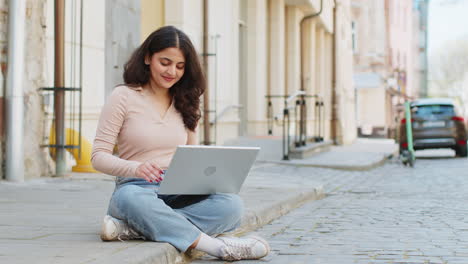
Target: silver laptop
x=208 y=169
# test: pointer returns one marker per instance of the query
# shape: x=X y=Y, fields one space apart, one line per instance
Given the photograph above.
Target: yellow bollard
x=83 y=163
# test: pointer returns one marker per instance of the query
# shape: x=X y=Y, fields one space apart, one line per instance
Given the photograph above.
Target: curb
x=366 y=167
x=254 y=219
x=145 y=252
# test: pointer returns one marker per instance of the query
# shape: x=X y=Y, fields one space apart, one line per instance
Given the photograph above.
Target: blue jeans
x=176 y=219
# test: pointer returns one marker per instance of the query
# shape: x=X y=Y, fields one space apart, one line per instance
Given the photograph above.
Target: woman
x=156 y=110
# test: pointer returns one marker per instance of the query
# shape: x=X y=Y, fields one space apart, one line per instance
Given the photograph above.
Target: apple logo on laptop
x=210 y=171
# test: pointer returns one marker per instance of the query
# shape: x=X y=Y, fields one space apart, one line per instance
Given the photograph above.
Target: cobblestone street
x=393 y=214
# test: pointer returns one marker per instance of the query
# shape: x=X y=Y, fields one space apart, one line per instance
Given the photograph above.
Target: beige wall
x=152 y=16
x=371 y=110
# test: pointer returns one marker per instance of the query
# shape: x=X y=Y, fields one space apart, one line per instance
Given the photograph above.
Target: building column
x=277 y=55
x=318 y=79
x=309 y=54
x=293 y=67
x=310 y=70
x=320 y=59
x=256 y=69
x=328 y=85
x=345 y=102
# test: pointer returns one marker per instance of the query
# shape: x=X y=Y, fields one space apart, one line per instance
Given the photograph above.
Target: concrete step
x=272 y=147
x=310 y=149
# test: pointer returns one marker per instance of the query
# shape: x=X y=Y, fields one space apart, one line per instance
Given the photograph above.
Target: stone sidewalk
x=57 y=220
x=363 y=154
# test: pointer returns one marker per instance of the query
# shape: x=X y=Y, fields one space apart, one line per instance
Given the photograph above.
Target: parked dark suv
x=437 y=123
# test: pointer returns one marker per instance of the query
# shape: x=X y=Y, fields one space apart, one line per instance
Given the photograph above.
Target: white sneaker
x=251 y=247
x=115 y=229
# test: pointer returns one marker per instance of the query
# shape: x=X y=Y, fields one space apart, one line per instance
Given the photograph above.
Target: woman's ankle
x=195 y=243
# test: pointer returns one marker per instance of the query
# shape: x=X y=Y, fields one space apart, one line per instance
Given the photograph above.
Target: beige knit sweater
x=130 y=121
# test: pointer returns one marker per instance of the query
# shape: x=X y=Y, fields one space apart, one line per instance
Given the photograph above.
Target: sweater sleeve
x=109 y=125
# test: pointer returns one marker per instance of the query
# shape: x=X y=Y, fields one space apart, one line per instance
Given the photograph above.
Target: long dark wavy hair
x=187 y=91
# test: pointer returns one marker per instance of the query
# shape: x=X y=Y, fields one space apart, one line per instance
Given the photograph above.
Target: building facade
x=259 y=52
x=387 y=62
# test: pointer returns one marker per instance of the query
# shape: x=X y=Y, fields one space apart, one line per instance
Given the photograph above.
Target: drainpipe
x=206 y=95
x=59 y=83
x=14 y=92
x=302 y=111
x=334 y=113
x=268 y=47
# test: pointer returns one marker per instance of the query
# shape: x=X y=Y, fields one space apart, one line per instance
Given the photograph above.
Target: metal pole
x=320 y=120
x=59 y=82
x=14 y=92
x=270 y=117
x=81 y=81
x=304 y=107
x=317 y=120
x=286 y=142
x=322 y=134
x=409 y=129
x=297 y=131
x=206 y=95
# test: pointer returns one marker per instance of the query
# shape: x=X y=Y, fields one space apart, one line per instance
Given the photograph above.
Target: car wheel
x=461 y=151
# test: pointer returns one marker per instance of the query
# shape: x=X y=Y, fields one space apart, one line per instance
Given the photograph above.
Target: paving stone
x=392 y=214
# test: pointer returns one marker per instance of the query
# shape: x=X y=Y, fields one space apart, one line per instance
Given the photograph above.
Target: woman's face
x=167 y=67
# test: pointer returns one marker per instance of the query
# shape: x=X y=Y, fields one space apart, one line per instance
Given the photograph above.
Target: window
x=431 y=110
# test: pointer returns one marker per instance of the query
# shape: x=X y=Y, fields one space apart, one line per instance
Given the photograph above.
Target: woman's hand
x=149 y=171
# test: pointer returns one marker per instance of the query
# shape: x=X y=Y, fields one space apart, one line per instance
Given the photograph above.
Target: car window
x=433 y=110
